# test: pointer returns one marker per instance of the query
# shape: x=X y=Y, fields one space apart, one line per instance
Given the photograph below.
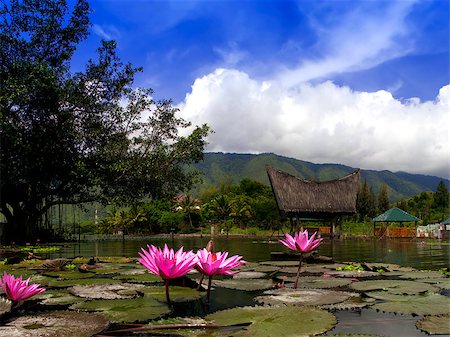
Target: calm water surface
x=405 y=252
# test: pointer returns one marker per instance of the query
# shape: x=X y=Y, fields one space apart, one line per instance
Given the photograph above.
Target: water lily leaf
x=323 y=268
x=113 y=268
x=57 y=297
x=68 y=275
x=353 y=273
x=421 y=274
x=5 y=306
x=244 y=284
x=249 y=275
x=276 y=321
x=394 y=286
x=107 y=291
x=116 y=259
x=353 y=335
x=351 y=304
x=25 y=273
x=139 y=309
x=292 y=270
x=80 y=282
x=429 y=304
x=177 y=294
x=280 y=263
x=442 y=283
x=319 y=282
x=248 y=266
x=263 y=269
x=435 y=325
x=139 y=278
x=303 y=296
x=55 y=324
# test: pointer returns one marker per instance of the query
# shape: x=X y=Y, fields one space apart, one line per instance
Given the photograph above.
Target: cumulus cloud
x=322 y=123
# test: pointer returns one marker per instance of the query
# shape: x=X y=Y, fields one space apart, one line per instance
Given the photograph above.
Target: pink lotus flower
x=216 y=264
x=17 y=290
x=300 y=243
x=167 y=263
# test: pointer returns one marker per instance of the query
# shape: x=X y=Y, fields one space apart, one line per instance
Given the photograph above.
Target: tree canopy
x=68 y=138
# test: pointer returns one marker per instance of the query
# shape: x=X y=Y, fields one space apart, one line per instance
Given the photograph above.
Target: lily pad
x=351 y=304
x=319 y=282
x=280 y=263
x=139 y=278
x=266 y=269
x=5 y=306
x=177 y=294
x=421 y=274
x=429 y=304
x=57 y=297
x=249 y=275
x=312 y=297
x=126 y=310
x=442 y=283
x=80 y=282
x=244 y=284
x=353 y=273
x=55 y=324
x=394 y=286
x=283 y=321
x=435 y=325
x=107 y=291
x=68 y=275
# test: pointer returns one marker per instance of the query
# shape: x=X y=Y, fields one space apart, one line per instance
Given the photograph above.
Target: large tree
x=68 y=138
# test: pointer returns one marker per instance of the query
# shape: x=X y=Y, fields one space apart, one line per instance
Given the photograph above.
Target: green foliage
x=72 y=138
x=351 y=267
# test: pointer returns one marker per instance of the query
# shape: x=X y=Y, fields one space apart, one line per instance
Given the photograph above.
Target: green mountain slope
x=220 y=167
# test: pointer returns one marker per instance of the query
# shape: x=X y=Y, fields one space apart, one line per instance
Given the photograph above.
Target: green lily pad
x=319 y=282
x=435 y=325
x=55 y=324
x=126 y=310
x=292 y=270
x=5 y=306
x=177 y=294
x=280 y=263
x=265 y=269
x=429 y=304
x=244 y=284
x=421 y=274
x=312 y=297
x=352 y=335
x=442 y=283
x=276 y=321
x=353 y=273
x=116 y=259
x=139 y=278
x=249 y=275
x=57 y=297
x=351 y=304
x=394 y=286
x=107 y=291
x=68 y=275
x=80 y=282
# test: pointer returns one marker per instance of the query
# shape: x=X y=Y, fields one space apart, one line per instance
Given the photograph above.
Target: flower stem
x=166 y=282
x=209 y=288
x=298 y=271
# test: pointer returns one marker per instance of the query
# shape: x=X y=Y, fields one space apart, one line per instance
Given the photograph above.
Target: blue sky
x=351 y=82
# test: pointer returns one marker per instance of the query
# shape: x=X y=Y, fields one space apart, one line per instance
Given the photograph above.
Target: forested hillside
x=219 y=168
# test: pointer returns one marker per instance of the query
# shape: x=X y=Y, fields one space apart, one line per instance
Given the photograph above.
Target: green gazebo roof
x=395 y=215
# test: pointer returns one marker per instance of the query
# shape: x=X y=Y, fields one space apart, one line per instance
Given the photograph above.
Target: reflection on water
x=412 y=253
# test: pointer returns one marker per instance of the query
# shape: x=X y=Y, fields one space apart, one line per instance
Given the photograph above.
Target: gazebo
x=394 y=215
x=327 y=200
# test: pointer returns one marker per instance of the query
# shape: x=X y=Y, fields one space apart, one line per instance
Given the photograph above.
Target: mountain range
x=218 y=168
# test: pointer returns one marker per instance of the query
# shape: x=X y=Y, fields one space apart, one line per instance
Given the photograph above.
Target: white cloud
x=106 y=32
x=368 y=35
x=322 y=123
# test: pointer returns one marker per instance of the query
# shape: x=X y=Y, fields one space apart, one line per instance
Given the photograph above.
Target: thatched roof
x=303 y=198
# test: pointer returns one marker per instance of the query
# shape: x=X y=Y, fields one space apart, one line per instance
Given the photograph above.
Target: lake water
x=405 y=252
